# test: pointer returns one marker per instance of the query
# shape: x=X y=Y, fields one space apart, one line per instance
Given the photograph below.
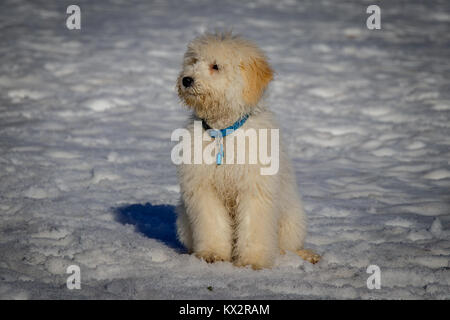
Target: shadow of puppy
x=153 y=221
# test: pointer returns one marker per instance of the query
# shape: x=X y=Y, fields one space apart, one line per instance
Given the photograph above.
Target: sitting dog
x=229 y=211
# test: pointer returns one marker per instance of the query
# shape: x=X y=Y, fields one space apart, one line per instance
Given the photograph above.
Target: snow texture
x=85 y=123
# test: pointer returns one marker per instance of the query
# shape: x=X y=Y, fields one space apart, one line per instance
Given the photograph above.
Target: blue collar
x=219 y=134
x=224 y=132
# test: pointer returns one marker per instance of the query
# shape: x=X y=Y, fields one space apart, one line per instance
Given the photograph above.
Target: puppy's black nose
x=187 y=82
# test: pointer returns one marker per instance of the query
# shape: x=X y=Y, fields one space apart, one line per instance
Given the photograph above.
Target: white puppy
x=232 y=212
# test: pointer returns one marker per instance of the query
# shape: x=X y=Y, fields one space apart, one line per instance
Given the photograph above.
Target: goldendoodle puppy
x=231 y=210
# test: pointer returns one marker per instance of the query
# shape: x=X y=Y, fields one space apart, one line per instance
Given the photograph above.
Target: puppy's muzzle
x=187 y=82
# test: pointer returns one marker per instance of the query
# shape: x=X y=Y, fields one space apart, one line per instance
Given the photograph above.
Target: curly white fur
x=231 y=212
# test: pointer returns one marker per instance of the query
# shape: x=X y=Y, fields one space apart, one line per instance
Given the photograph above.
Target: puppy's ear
x=257 y=74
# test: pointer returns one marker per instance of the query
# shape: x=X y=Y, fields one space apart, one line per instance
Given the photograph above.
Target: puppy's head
x=223 y=76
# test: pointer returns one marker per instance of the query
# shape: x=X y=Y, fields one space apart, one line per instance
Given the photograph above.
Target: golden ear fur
x=257 y=74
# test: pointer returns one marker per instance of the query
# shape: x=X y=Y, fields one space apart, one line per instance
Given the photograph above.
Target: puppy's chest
x=227 y=185
x=231 y=175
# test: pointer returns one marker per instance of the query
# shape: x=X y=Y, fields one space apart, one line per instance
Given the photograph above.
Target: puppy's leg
x=292 y=225
x=184 y=231
x=210 y=224
x=256 y=243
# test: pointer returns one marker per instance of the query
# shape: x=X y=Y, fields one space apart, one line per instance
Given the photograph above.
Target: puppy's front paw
x=209 y=257
x=257 y=260
x=308 y=255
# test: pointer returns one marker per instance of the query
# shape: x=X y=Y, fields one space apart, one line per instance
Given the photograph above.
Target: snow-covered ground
x=85 y=124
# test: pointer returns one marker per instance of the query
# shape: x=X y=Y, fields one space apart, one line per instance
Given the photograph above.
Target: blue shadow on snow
x=154 y=221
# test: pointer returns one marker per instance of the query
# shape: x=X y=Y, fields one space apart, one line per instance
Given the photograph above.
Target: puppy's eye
x=215 y=67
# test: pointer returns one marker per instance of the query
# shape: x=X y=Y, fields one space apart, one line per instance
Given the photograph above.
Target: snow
x=85 y=123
